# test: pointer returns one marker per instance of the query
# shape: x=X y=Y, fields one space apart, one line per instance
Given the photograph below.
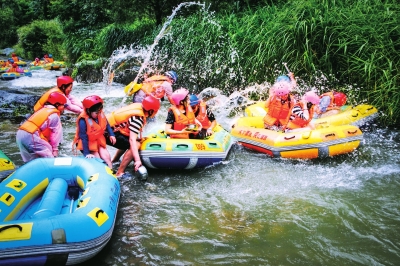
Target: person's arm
x=83 y=136
x=213 y=121
x=292 y=80
x=168 y=125
x=111 y=133
x=56 y=135
x=73 y=104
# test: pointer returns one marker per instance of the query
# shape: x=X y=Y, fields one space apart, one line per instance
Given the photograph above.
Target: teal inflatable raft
x=57 y=211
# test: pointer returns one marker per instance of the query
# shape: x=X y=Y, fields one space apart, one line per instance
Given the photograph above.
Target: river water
x=251 y=209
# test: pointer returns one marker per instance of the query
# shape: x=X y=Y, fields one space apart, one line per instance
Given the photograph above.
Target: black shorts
x=122 y=142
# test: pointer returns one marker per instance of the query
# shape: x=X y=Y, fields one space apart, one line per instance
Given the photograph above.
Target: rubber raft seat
x=53 y=199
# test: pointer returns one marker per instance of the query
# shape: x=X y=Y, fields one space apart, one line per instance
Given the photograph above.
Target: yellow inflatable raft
x=325 y=141
x=358 y=115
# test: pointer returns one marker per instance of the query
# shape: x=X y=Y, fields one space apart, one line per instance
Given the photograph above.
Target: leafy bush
x=39 y=38
x=7 y=27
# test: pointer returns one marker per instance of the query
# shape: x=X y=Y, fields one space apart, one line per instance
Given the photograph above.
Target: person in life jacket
x=15 y=57
x=64 y=85
x=9 y=62
x=289 y=78
x=47 y=59
x=156 y=85
x=128 y=123
x=3 y=63
x=40 y=135
x=14 y=68
x=91 y=125
x=279 y=106
x=330 y=104
x=204 y=115
x=37 y=62
x=50 y=58
x=181 y=121
x=303 y=112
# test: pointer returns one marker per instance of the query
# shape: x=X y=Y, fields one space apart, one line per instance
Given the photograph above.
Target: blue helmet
x=172 y=75
x=283 y=78
x=194 y=100
x=50 y=55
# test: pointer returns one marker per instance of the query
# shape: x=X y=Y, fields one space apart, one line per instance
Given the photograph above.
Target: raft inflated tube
x=53 y=199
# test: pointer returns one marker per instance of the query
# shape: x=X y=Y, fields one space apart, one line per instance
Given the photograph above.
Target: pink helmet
x=150 y=103
x=340 y=98
x=311 y=97
x=281 y=88
x=64 y=80
x=179 y=95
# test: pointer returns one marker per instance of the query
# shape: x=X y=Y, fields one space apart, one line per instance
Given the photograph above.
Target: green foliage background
x=354 y=44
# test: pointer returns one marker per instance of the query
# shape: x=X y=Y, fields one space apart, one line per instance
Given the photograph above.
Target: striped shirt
x=297 y=111
x=136 y=124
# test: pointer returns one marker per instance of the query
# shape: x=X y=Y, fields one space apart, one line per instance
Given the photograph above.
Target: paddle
x=287 y=69
x=73 y=194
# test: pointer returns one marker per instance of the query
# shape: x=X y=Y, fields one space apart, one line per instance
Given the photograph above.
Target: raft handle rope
x=287 y=138
x=11 y=226
x=352 y=132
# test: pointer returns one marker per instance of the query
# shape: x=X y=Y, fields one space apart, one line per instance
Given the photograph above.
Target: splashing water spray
x=150 y=51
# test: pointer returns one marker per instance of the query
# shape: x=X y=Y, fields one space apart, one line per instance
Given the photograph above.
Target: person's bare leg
x=118 y=155
x=126 y=160
x=105 y=155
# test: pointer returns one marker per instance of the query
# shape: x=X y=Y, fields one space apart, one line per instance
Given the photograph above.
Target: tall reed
x=355 y=46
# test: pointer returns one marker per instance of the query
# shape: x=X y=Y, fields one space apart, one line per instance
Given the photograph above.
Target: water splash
x=150 y=51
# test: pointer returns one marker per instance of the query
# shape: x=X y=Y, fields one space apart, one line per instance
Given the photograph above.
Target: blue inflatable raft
x=57 y=211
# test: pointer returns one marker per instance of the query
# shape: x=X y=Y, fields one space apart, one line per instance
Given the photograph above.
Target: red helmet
x=57 y=98
x=64 y=80
x=150 y=103
x=179 y=95
x=91 y=100
x=339 y=98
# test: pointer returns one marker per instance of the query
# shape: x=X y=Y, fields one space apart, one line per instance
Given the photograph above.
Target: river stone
x=16 y=104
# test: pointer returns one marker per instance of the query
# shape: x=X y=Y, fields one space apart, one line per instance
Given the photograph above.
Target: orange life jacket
x=50 y=60
x=40 y=103
x=36 y=120
x=297 y=122
x=12 y=69
x=202 y=116
x=181 y=121
x=150 y=84
x=118 y=119
x=95 y=131
x=15 y=58
x=278 y=113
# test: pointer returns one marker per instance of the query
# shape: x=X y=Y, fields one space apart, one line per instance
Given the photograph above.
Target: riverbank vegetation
x=354 y=45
